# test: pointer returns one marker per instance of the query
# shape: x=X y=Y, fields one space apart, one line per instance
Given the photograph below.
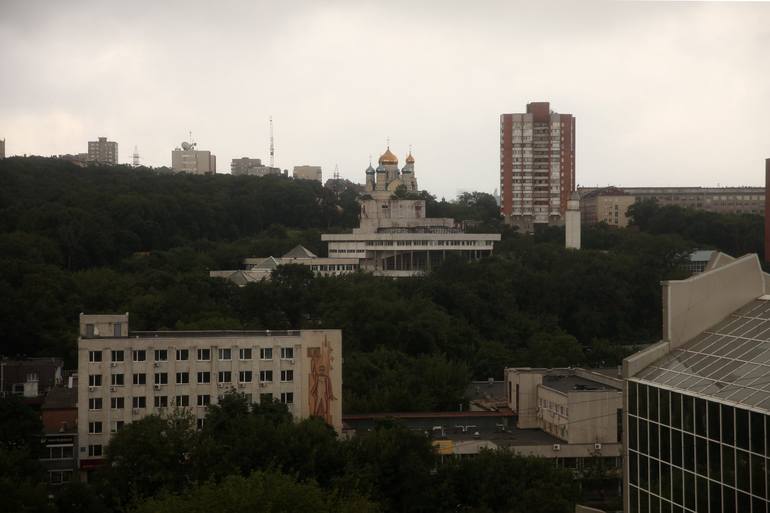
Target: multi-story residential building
x=125 y=375
x=308 y=173
x=537 y=165
x=103 y=151
x=606 y=205
x=59 y=414
x=253 y=167
x=697 y=403
x=30 y=378
x=722 y=200
x=2 y=148
x=187 y=159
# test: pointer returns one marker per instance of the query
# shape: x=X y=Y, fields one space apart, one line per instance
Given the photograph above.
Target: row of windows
x=718 y=422
x=161 y=401
x=429 y=243
x=182 y=378
x=161 y=355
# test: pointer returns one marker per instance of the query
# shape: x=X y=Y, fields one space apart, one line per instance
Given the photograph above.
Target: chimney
x=767 y=210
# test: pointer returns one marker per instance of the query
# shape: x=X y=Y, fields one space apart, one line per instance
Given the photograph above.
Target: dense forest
x=133 y=240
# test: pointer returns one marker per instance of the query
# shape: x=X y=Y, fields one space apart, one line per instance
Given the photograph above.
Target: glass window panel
x=633 y=468
x=653 y=440
x=742 y=470
x=715 y=497
x=744 y=502
x=716 y=365
x=725 y=371
x=688 y=458
x=677 y=485
x=758 y=478
x=676 y=410
x=757 y=421
x=753 y=350
x=702 y=494
x=633 y=499
x=633 y=434
x=643 y=472
x=756 y=398
x=715 y=461
x=728 y=500
x=700 y=417
x=632 y=398
x=688 y=410
x=701 y=459
x=654 y=476
x=728 y=425
x=644 y=502
x=758 y=505
x=689 y=490
x=747 y=326
x=652 y=403
x=742 y=428
x=654 y=504
x=676 y=447
x=642 y=400
x=728 y=465
x=665 y=481
x=665 y=443
x=702 y=363
x=643 y=447
x=713 y=421
x=725 y=346
x=665 y=406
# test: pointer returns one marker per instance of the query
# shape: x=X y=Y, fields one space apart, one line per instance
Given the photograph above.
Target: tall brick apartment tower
x=537 y=165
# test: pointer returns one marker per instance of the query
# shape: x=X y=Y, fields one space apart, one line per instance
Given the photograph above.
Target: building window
x=117 y=380
x=245 y=354
x=204 y=400
x=161 y=378
x=182 y=355
x=287 y=397
x=161 y=355
x=265 y=398
x=140 y=379
x=225 y=377
x=116 y=426
x=95 y=450
x=95 y=403
x=139 y=355
x=265 y=376
x=287 y=353
x=60 y=452
x=244 y=376
x=265 y=353
x=139 y=402
x=182 y=378
x=117 y=329
x=94 y=428
x=117 y=403
x=161 y=401
x=116 y=356
x=204 y=355
x=94 y=356
x=90 y=330
x=57 y=477
x=204 y=377
x=287 y=376
x=183 y=400
x=224 y=354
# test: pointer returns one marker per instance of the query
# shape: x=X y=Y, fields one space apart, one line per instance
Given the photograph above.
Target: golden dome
x=409 y=158
x=388 y=157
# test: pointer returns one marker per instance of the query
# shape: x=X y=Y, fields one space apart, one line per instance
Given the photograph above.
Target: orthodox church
x=383 y=181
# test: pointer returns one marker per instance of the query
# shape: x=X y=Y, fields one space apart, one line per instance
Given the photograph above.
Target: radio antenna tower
x=336 y=172
x=272 y=145
x=135 y=157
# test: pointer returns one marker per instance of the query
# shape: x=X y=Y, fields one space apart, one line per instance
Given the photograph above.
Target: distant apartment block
x=187 y=159
x=308 y=173
x=537 y=165
x=2 y=148
x=30 y=378
x=103 y=151
x=253 y=167
x=607 y=205
x=126 y=375
x=59 y=413
x=722 y=200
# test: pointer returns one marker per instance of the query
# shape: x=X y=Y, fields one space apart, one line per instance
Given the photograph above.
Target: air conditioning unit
x=157 y=387
x=112 y=389
x=241 y=385
x=135 y=411
x=291 y=361
x=156 y=364
x=557 y=447
x=262 y=385
x=91 y=389
x=220 y=385
x=113 y=364
x=598 y=447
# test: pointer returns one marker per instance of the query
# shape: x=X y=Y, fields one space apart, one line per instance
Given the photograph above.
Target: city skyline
x=661 y=99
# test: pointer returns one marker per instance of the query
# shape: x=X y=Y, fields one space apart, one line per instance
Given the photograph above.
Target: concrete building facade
x=188 y=159
x=607 y=205
x=251 y=167
x=572 y=222
x=125 y=375
x=103 y=151
x=308 y=173
x=697 y=403
x=537 y=165
x=2 y=148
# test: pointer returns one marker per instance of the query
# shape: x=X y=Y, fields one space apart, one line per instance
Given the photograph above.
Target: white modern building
x=126 y=375
x=188 y=159
x=697 y=403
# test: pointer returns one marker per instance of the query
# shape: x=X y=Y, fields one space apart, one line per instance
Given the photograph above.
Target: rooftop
x=729 y=362
x=571 y=383
x=207 y=333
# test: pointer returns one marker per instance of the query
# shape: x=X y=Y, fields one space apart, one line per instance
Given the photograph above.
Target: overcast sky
x=665 y=93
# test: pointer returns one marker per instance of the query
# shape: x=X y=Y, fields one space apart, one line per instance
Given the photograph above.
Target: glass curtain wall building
x=697 y=408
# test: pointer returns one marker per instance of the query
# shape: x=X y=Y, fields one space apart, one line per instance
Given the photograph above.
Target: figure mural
x=321 y=391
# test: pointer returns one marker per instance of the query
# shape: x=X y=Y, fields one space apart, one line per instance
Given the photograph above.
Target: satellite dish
x=186 y=146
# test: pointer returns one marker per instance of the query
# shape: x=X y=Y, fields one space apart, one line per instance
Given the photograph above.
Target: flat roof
x=729 y=362
x=572 y=383
x=356 y=237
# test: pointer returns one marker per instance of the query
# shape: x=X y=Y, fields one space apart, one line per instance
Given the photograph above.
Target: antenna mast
x=272 y=145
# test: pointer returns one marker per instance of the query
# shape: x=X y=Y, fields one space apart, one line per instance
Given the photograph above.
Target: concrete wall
x=593 y=416
x=526 y=408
